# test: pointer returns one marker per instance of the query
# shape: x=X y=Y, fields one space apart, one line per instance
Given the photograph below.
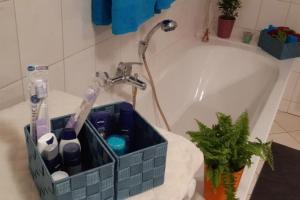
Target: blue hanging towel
x=126 y=15
x=163 y=4
x=101 y=12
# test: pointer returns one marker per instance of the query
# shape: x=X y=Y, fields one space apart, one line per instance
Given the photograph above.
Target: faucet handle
x=125 y=68
x=129 y=64
x=102 y=78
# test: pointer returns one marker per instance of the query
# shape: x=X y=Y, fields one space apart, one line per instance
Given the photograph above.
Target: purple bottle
x=102 y=121
x=126 y=122
x=72 y=158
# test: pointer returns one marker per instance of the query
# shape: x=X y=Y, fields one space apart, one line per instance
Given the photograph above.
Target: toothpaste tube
x=77 y=120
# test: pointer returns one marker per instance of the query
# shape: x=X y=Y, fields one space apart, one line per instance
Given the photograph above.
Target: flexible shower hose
x=154 y=93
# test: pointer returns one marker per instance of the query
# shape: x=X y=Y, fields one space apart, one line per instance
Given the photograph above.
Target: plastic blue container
x=278 y=49
x=143 y=166
x=95 y=182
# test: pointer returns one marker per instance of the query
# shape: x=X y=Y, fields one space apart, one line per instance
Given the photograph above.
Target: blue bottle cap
x=126 y=107
x=34 y=99
x=71 y=154
x=68 y=134
x=117 y=143
x=291 y=39
x=271 y=28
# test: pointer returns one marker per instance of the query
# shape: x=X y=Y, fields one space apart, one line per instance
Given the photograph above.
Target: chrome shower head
x=166 y=25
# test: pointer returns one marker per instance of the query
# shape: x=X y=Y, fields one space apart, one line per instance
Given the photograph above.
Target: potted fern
x=227 y=151
x=229 y=10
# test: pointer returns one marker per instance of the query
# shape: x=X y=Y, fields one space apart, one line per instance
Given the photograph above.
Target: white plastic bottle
x=67 y=136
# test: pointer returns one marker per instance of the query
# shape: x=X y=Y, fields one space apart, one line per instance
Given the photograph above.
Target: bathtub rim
x=268 y=112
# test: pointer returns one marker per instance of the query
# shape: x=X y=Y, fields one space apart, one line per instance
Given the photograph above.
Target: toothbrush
x=34 y=115
x=42 y=122
x=38 y=92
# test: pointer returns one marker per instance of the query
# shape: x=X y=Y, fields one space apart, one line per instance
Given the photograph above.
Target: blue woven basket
x=276 y=48
x=143 y=168
x=94 y=183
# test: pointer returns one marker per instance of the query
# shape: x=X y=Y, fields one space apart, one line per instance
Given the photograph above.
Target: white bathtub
x=196 y=80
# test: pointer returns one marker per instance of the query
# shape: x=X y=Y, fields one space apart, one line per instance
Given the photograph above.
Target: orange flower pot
x=211 y=193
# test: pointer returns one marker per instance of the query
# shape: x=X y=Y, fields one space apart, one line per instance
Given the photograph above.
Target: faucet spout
x=136 y=83
x=117 y=80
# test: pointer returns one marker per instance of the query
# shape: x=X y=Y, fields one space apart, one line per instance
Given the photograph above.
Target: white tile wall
x=9 y=51
x=250 y=8
x=272 y=12
x=107 y=55
x=293 y=17
x=60 y=33
x=11 y=94
x=39 y=25
x=79 y=32
x=80 y=70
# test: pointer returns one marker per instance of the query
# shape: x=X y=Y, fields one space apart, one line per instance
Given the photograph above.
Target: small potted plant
x=227 y=151
x=229 y=10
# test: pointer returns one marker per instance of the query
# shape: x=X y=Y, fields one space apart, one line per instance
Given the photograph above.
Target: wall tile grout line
x=293 y=94
x=288 y=13
x=275 y=121
x=294 y=86
x=84 y=49
x=63 y=43
x=295 y=102
x=258 y=15
x=19 y=50
x=8 y=85
x=291 y=114
x=294 y=138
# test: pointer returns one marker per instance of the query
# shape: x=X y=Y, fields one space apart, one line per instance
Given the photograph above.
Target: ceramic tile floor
x=285 y=130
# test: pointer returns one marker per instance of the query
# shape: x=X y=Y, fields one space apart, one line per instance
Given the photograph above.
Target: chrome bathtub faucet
x=123 y=76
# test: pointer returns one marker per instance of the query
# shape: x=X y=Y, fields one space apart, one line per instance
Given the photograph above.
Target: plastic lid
x=30 y=68
x=44 y=140
x=68 y=134
x=71 y=154
x=58 y=175
x=34 y=99
x=100 y=114
x=126 y=107
x=292 y=39
x=50 y=152
x=117 y=143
